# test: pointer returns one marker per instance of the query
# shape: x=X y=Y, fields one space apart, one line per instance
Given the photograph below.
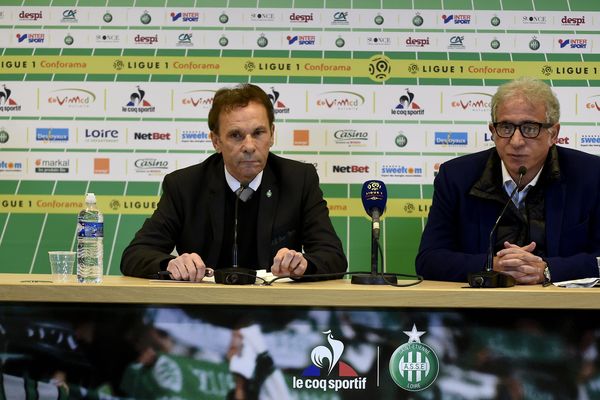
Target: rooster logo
x=326 y=358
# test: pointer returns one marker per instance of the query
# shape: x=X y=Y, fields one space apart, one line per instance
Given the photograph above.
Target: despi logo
x=30 y=16
x=302 y=18
x=145 y=40
x=573 y=21
x=417 y=42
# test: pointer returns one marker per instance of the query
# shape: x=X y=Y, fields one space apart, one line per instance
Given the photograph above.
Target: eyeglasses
x=529 y=130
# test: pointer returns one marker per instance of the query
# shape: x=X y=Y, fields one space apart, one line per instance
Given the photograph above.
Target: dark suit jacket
x=456 y=237
x=189 y=217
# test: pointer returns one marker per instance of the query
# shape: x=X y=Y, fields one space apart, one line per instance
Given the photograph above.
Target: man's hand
x=188 y=267
x=289 y=263
x=520 y=263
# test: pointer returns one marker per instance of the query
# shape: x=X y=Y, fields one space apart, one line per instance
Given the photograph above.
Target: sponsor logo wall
x=110 y=99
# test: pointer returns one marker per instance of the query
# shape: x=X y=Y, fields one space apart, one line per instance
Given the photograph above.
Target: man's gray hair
x=532 y=90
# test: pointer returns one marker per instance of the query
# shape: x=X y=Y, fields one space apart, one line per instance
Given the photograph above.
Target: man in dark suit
x=283 y=222
x=551 y=230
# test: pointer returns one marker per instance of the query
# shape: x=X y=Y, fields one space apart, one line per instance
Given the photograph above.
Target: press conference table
x=333 y=293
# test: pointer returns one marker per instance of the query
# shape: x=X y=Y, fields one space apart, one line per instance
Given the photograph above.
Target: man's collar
x=234 y=184
x=506 y=178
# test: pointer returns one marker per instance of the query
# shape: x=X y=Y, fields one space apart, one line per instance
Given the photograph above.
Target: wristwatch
x=547 y=277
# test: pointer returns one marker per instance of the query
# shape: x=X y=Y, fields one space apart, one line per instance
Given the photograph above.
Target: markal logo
x=137 y=103
x=456 y=42
x=69 y=16
x=11 y=166
x=328 y=371
x=407 y=106
x=31 y=37
x=472 y=101
x=451 y=138
x=57 y=166
x=198 y=98
x=340 y=18
x=185 y=16
x=417 y=42
x=278 y=106
x=52 y=134
x=457 y=19
x=194 y=136
x=262 y=17
x=570 y=21
x=340 y=100
x=414 y=366
x=185 y=39
x=30 y=16
x=302 y=40
x=351 y=137
x=72 y=98
x=401 y=171
x=587 y=140
x=4 y=136
x=573 y=43
x=7 y=103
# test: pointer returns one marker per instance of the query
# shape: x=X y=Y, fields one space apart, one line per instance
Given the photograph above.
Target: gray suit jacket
x=189 y=217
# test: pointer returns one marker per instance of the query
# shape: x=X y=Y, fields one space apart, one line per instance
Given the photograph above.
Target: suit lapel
x=269 y=198
x=554 y=203
x=216 y=196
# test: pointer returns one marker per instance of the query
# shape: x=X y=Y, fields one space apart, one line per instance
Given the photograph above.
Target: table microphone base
x=374 y=279
x=490 y=279
x=235 y=276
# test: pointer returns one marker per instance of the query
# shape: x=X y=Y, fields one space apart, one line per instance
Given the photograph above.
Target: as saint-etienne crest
x=414 y=366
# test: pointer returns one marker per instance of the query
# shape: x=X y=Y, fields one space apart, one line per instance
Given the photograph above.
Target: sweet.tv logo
x=329 y=372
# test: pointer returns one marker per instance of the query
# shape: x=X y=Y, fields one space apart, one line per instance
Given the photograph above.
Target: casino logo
x=137 y=103
x=407 y=106
x=151 y=166
x=328 y=372
x=278 y=106
x=351 y=137
x=8 y=103
x=414 y=366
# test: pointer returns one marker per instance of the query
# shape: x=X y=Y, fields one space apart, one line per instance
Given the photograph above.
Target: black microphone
x=236 y=275
x=489 y=278
x=374 y=198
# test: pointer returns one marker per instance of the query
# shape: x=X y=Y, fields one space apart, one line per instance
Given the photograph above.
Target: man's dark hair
x=226 y=99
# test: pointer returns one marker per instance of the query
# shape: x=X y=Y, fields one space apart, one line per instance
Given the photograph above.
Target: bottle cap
x=90 y=198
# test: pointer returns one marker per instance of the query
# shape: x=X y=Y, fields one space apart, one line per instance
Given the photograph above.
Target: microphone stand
x=488 y=278
x=235 y=275
x=374 y=278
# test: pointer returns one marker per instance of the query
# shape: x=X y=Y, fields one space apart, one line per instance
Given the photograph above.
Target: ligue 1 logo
x=414 y=366
x=380 y=68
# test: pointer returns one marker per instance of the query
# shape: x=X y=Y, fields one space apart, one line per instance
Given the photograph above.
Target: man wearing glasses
x=551 y=229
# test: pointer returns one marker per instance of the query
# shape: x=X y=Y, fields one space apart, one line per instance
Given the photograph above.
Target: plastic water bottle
x=90 y=236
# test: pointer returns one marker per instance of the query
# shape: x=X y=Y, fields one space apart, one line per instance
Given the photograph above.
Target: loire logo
x=328 y=372
x=414 y=366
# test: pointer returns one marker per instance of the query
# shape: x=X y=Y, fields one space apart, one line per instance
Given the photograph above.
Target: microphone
x=236 y=275
x=488 y=278
x=374 y=198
